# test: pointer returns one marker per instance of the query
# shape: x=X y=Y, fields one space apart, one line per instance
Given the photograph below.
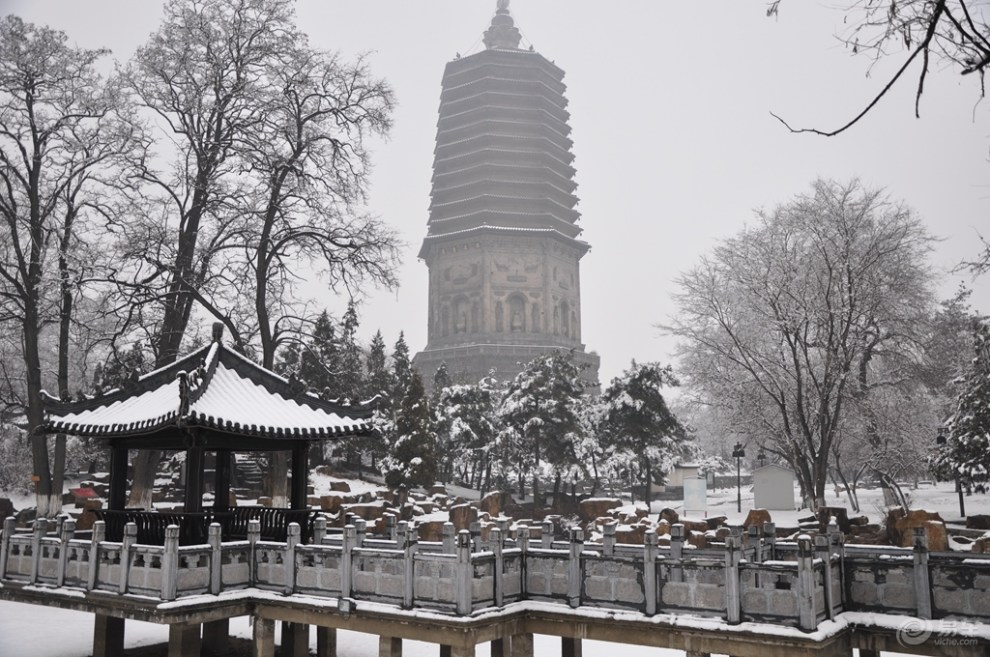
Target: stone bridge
x=754 y=596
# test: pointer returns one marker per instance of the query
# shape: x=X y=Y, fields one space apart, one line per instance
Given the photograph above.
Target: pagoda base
x=469 y=363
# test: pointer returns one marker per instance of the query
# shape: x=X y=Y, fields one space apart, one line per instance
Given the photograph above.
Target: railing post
x=126 y=546
x=475 y=529
x=770 y=540
x=253 y=536
x=574 y=575
x=753 y=541
x=649 y=569
x=360 y=532
x=216 y=558
x=608 y=539
x=319 y=530
x=522 y=541
x=449 y=538
x=409 y=538
x=292 y=539
x=99 y=533
x=346 y=560
x=677 y=551
x=823 y=550
x=9 y=524
x=40 y=528
x=733 y=600
x=546 y=537
x=170 y=562
x=807 y=617
x=922 y=586
x=68 y=528
x=496 y=539
x=464 y=572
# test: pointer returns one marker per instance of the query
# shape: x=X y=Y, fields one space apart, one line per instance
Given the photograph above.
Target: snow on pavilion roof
x=214 y=388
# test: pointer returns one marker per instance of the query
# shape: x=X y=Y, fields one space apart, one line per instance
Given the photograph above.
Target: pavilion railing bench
x=194 y=527
x=274 y=522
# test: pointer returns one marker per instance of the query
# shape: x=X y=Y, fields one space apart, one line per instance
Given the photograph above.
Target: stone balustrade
x=752 y=577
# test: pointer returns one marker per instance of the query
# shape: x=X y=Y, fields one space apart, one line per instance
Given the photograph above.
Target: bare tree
x=945 y=33
x=781 y=323
x=58 y=132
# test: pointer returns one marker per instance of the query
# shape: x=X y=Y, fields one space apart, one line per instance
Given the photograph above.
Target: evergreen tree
x=401 y=366
x=636 y=420
x=319 y=358
x=378 y=380
x=412 y=459
x=288 y=359
x=351 y=381
x=541 y=408
x=966 y=454
x=467 y=429
x=441 y=380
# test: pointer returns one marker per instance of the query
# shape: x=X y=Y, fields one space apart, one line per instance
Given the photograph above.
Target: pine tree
x=541 y=408
x=378 y=380
x=467 y=429
x=319 y=359
x=351 y=379
x=966 y=454
x=401 y=366
x=441 y=380
x=636 y=420
x=412 y=459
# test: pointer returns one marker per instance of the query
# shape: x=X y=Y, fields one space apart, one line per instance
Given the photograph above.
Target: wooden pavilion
x=212 y=400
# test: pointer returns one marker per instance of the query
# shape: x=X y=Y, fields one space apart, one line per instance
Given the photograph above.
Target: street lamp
x=738 y=453
x=941 y=440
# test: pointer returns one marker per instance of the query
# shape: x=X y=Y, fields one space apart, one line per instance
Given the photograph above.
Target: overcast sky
x=674 y=143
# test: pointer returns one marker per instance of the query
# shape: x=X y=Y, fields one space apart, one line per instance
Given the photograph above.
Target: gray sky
x=674 y=143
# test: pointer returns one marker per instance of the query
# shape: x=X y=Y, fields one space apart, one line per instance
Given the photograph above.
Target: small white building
x=773 y=488
x=682 y=472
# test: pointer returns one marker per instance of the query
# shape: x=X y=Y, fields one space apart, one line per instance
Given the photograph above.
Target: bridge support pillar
x=522 y=645
x=264 y=638
x=216 y=636
x=389 y=646
x=108 y=636
x=570 y=647
x=295 y=640
x=184 y=639
x=326 y=642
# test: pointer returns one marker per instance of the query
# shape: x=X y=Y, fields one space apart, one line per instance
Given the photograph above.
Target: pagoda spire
x=503 y=32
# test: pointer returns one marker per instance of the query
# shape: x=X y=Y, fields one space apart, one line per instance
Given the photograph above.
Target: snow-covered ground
x=34 y=631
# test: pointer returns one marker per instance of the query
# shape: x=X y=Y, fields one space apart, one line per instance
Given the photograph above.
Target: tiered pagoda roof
x=503 y=158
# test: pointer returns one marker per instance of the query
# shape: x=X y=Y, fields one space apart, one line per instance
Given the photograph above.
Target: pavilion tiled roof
x=213 y=387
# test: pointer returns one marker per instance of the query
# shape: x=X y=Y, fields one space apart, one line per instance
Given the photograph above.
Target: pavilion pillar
x=108 y=636
x=570 y=647
x=117 y=495
x=222 y=469
x=326 y=642
x=300 y=475
x=193 y=501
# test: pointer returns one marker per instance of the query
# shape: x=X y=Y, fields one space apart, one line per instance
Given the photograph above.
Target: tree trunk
x=648 y=480
x=556 y=491
x=145 y=464
x=42 y=475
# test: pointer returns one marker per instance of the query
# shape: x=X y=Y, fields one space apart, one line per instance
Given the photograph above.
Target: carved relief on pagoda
x=456 y=315
x=516 y=270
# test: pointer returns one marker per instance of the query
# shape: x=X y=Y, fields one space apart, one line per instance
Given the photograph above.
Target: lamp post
x=940 y=440
x=738 y=453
